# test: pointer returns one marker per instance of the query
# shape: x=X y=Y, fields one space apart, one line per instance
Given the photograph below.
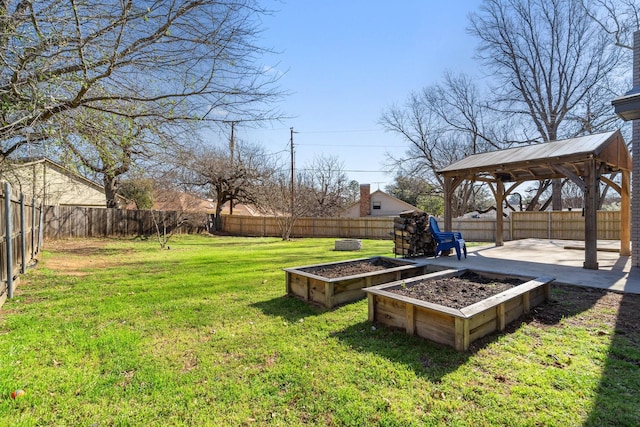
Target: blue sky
x=348 y=61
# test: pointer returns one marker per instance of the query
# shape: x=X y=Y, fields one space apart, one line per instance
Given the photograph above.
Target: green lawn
x=120 y=333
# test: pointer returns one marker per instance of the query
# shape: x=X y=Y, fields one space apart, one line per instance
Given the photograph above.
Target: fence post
x=33 y=228
x=23 y=239
x=8 y=234
x=511 y=226
x=40 y=227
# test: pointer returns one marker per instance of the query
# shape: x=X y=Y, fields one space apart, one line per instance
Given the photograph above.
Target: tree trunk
x=111 y=191
x=287 y=226
x=217 y=221
x=556 y=195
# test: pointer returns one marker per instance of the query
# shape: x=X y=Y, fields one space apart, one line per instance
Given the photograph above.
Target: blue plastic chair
x=447 y=240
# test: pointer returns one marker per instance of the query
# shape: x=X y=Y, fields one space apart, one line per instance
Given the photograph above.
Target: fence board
x=20 y=231
x=480 y=229
x=62 y=222
x=364 y=228
x=521 y=225
x=563 y=225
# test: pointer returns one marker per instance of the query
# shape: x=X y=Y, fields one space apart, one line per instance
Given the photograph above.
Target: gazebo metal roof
x=540 y=161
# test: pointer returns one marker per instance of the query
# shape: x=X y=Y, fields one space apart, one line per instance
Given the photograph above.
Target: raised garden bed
x=473 y=309
x=337 y=283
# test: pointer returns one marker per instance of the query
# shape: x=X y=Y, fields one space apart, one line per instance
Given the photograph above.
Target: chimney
x=365 y=200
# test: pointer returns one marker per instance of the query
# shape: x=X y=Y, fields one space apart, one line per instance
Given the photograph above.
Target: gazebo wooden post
x=591 y=194
x=448 y=198
x=499 y=211
x=625 y=214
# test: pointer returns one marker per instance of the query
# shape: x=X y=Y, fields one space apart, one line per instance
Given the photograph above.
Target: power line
x=363 y=171
x=343 y=145
x=342 y=131
x=350 y=170
x=323 y=131
x=310 y=169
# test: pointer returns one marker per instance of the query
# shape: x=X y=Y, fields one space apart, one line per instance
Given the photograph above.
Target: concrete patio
x=562 y=259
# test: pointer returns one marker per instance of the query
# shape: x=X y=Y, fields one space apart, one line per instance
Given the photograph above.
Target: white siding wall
x=54 y=186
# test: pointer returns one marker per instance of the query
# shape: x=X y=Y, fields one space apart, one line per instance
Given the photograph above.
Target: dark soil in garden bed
x=457 y=292
x=350 y=268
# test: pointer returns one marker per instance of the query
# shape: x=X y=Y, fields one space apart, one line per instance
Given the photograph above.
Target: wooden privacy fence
x=521 y=225
x=479 y=230
x=563 y=225
x=62 y=222
x=67 y=221
x=21 y=228
x=362 y=228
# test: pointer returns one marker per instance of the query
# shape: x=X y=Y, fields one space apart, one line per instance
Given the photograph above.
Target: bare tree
x=325 y=178
x=169 y=60
x=618 y=18
x=442 y=124
x=227 y=179
x=549 y=58
x=174 y=209
x=319 y=189
x=287 y=204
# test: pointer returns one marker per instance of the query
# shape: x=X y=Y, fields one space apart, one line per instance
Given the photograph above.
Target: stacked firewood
x=412 y=236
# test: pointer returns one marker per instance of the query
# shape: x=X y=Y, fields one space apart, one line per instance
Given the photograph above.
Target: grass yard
x=120 y=333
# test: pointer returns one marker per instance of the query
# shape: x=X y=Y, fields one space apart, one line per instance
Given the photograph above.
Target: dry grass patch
x=78 y=256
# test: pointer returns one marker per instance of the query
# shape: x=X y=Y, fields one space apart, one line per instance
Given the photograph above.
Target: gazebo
x=584 y=160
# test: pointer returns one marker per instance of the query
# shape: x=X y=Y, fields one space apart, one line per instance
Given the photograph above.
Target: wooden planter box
x=453 y=327
x=332 y=292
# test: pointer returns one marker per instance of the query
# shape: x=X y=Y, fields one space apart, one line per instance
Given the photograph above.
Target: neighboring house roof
x=241 y=209
x=381 y=204
x=53 y=183
x=172 y=200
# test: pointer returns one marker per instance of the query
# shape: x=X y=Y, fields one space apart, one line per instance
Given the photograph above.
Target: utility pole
x=292 y=175
x=232 y=143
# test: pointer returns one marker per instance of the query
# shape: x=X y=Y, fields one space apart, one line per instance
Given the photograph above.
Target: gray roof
x=536 y=161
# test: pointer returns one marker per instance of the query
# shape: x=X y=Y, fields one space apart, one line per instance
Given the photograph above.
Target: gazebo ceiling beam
x=485 y=179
